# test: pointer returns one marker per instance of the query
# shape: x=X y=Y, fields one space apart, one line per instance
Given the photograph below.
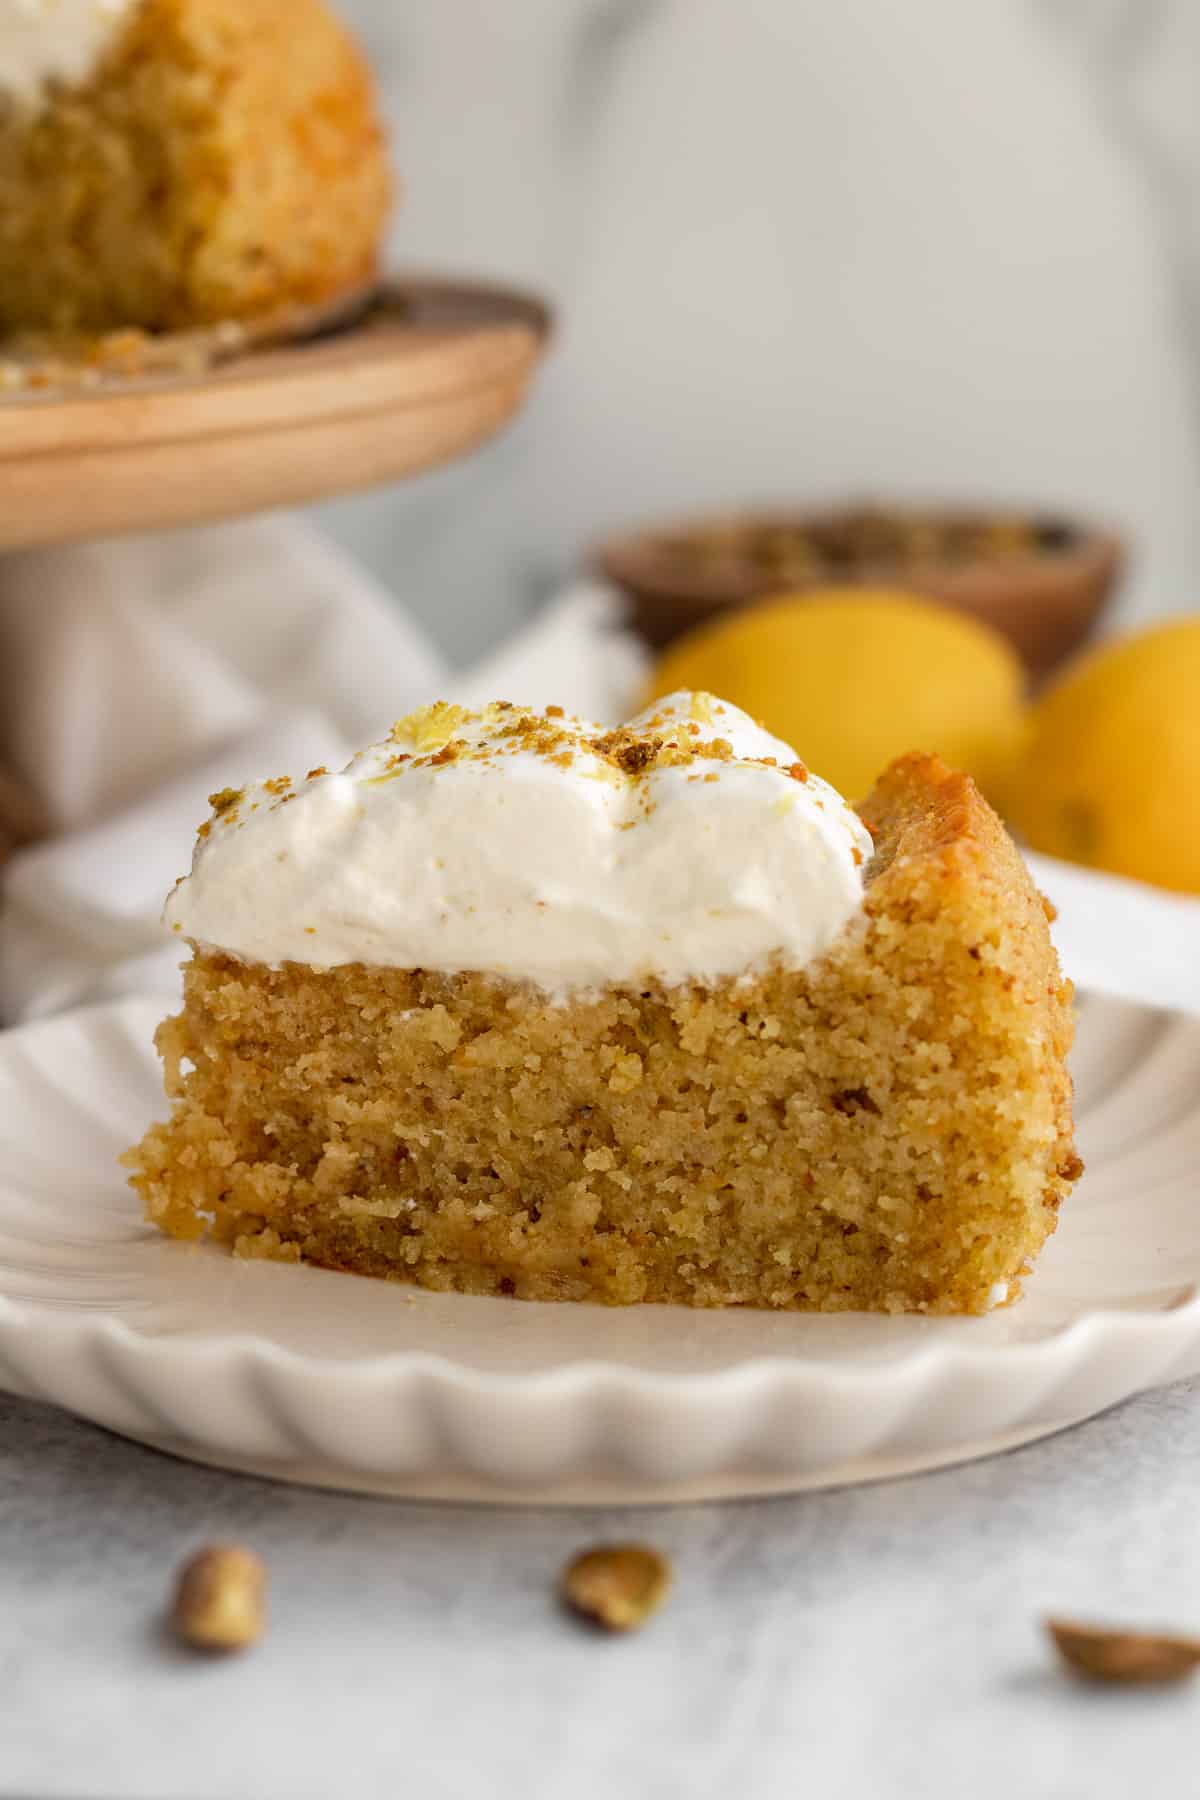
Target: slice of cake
x=166 y=163
x=514 y=1005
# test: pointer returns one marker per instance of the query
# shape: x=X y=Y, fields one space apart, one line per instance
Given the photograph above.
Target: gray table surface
x=879 y=1641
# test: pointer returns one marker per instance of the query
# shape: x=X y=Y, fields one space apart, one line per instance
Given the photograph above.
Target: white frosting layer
x=54 y=40
x=536 y=848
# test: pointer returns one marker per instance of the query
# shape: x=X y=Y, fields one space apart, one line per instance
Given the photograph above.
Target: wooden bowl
x=1041 y=580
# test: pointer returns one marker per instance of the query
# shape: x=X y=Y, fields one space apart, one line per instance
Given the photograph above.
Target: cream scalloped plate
x=325 y=1378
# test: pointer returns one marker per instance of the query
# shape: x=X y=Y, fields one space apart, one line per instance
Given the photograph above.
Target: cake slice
x=169 y=163
x=517 y=1006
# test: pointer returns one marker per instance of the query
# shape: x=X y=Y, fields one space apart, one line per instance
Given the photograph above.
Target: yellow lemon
x=853 y=677
x=1112 y=768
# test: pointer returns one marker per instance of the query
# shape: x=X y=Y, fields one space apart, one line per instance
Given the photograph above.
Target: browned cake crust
x=889 y=1128
x=225 y=160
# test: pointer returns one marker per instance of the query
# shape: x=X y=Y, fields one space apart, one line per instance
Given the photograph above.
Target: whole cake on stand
x=166 y=163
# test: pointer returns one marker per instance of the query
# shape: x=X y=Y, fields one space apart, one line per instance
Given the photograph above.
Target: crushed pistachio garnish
x=439 y=735
x=633 y=755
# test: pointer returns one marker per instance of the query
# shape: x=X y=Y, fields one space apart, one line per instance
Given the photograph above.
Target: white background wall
x=799 y=249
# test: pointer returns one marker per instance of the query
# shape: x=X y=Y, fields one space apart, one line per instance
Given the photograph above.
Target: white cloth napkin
x=138 y=677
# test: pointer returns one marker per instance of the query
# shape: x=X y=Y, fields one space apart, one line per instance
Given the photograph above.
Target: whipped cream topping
x=55 y=40
x=686 y=845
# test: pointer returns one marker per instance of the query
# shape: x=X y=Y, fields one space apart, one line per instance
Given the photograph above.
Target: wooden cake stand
x=426 y=372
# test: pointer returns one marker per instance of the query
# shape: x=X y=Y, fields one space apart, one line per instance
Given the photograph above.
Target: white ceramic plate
x=326 y=1378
